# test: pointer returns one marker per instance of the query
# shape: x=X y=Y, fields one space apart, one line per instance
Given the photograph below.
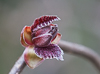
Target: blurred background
x=80 y=23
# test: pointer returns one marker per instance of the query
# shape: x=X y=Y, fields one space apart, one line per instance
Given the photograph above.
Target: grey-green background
x=80 y=23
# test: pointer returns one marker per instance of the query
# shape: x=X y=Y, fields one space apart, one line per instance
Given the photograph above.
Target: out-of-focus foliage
x=80 y=23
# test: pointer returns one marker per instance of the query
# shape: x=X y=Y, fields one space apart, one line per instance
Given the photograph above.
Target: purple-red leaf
x=42 y=40
x=49 y=52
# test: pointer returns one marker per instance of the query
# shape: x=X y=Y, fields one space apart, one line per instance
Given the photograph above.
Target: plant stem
x=67 y=47
x=18 y=66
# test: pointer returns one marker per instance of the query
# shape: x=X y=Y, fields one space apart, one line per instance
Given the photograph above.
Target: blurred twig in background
x=67 y=47
x=81 y=50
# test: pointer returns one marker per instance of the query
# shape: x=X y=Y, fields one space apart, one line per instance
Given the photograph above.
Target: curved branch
x=81 y=50
x=67 y=47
